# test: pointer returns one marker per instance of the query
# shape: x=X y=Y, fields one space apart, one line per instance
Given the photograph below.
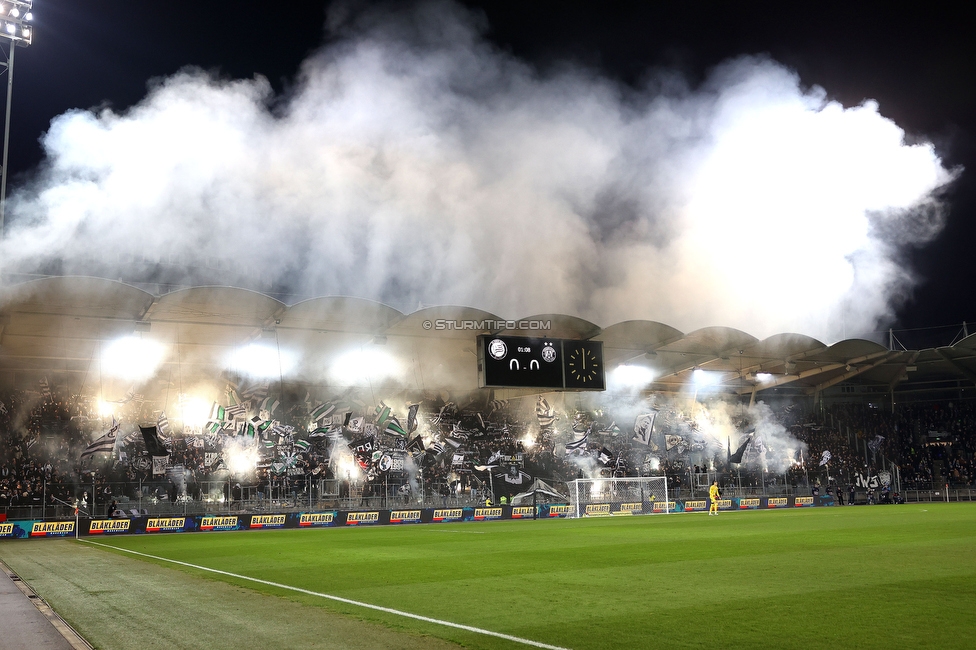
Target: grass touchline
x=340 y=599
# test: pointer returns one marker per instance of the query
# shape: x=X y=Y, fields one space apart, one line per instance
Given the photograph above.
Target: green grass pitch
x=862 y=577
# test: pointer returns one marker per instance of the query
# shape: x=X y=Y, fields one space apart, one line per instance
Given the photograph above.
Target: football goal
x=593 y=497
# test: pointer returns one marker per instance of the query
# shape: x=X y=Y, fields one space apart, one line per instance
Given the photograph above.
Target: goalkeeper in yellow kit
x=713 y=496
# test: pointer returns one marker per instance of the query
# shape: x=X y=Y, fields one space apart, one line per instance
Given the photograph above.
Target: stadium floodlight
x=705 y=378
x=359 y=367
x=13 y=15
x=630 y=376
x=132 y=358
x=260 y=361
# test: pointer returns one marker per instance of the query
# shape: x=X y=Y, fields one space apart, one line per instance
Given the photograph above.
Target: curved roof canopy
x=57 y=327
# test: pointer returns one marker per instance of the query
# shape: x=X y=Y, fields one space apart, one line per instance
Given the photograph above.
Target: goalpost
x=619 y=496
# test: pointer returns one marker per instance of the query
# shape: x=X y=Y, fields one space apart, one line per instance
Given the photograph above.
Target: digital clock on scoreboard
x=541 y=363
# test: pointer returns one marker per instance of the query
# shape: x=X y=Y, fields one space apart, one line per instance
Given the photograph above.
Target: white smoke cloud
x=416 y=163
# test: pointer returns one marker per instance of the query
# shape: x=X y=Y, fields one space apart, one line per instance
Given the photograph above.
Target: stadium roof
x=56 y=328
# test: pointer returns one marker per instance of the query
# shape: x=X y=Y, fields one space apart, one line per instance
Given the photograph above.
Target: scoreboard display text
x=515 y=361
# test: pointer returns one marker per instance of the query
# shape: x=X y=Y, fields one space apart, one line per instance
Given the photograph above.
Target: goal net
x=620 y=496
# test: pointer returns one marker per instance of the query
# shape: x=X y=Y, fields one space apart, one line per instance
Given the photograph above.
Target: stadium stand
x=432 y=434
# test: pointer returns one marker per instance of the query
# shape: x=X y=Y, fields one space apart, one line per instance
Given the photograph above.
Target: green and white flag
x=322 y=411
x=255 y=426
x=217 y=418
x=261 y=425
x=393 y=428
x=302 y=445
x=218 y=413
x=269 y=404
x=382 y=415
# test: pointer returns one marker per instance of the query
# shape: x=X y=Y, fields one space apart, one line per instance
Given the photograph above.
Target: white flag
x=644 y=427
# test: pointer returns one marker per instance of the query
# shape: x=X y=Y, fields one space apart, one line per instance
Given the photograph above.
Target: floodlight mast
x=16 y=28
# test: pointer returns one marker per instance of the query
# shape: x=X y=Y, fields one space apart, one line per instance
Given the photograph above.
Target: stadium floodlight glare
x=260 y=361
x=361 y=366
x=132 y=358
x=17 y=34
x=705 y=378
x=630 y=376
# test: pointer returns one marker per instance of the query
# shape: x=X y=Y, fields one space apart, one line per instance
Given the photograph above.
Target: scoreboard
x=515 y=361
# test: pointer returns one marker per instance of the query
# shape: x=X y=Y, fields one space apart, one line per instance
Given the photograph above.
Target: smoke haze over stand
x=707 y=426
x=416 y=163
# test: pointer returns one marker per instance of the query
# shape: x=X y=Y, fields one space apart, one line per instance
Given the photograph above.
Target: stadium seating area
x=31 y=472
x=42 y=438
x=932 y=444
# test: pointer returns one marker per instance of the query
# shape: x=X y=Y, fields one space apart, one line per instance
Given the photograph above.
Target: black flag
x=737 y=456
x=154 y=445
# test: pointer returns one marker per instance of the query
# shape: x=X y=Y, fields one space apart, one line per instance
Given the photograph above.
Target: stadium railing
x=275 y=502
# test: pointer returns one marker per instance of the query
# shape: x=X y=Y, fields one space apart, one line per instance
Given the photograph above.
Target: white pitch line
x=340 y=599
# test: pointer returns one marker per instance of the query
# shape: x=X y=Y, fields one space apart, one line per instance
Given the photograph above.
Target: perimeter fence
x=227 y=497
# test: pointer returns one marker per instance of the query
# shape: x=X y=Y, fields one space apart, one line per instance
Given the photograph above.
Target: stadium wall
x=37 y=529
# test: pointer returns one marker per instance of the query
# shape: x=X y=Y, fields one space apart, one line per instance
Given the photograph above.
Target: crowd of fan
x=42 y=437
x=930 y=444
x=37 y=469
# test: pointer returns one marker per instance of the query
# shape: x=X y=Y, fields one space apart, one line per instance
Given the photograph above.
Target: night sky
x=917 y=62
